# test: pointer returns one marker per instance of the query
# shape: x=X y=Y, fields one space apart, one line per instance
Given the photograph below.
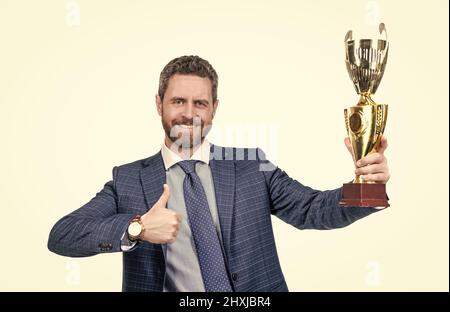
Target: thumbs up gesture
x=161 y=225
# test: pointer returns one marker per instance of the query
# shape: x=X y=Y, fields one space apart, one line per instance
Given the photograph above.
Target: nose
x=189 y=110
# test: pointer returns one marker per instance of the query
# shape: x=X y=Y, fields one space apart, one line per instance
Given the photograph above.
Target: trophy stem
x=365 y=99
x=358 y=179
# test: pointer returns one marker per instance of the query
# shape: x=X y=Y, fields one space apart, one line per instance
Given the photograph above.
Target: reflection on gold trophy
x=366 y=61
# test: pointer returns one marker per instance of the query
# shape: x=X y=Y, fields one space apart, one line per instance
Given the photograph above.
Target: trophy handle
x=383 y=31
x=348 y=36
x=346 y=122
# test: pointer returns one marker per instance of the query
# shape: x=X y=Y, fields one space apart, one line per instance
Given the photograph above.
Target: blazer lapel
x=223 y=172
x=153 y=176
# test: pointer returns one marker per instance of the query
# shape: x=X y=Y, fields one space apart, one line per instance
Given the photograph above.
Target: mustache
x=189 y=122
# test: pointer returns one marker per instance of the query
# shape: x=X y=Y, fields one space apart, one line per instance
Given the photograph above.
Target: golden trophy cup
x=365 y=122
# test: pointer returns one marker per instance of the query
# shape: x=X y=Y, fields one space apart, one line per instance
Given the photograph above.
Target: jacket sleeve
x=96 y=227
x=304 y=207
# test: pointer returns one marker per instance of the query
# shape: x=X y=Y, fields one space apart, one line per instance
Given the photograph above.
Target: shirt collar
x=170 y=158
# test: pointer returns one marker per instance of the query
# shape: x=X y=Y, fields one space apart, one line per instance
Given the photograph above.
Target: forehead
x=188 y=86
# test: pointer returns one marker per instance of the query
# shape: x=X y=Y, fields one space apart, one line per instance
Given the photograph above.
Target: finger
x=162 y=201
x=176 y=225
x=374 y=158
x=349 y=147
x=376 y=177
x=383 y=144
x=178 y=217
x=172 y=240
x=371 y=169
x=348 y=144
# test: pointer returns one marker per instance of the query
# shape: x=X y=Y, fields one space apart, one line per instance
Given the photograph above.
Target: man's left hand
x=373 y=167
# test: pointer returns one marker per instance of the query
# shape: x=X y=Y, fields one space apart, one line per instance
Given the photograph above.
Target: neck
x=183 y=152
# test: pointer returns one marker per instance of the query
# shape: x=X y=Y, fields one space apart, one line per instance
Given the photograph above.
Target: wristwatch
x=135 y=228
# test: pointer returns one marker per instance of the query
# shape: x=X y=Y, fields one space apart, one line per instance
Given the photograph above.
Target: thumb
x=383 y=144
x=348 y=144
x=162 y=201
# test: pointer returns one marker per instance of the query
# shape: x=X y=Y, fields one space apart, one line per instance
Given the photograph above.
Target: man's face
x=187 y=110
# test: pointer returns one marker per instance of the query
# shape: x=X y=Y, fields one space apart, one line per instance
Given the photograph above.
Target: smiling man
x=187 y=107
x=196 y=216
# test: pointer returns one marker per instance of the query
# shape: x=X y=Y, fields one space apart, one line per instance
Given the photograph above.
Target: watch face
x=134 y=229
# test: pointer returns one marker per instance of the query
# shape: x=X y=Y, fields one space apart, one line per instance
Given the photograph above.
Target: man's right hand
x=161 y=225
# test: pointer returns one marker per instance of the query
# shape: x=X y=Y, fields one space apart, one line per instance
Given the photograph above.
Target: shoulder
x=137 y=165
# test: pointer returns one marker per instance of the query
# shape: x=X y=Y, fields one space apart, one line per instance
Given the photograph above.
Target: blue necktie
x=209 y=251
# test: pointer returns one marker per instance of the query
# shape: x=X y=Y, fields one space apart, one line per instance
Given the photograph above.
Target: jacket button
x=234 y=276
x=105 y=246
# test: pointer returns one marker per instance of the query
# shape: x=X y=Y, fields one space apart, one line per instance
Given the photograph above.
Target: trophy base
x=364 y=195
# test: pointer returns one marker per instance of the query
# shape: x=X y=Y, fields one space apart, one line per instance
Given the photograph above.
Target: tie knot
x=188 y=166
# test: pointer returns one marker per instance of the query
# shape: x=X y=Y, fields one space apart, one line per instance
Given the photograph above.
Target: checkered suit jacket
x=249 y=189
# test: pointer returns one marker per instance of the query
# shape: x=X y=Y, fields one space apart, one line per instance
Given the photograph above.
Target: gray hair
x=188 y=65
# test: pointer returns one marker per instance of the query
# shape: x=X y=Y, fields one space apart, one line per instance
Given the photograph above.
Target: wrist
x=135 y=229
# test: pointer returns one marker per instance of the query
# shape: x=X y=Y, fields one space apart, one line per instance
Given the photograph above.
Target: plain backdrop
x=77 y=86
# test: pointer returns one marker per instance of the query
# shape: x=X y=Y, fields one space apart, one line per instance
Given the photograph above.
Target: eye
x=178 y=101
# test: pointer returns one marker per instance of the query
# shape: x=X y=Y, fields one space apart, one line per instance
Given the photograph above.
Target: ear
x=158 y=102
x=215 y=104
